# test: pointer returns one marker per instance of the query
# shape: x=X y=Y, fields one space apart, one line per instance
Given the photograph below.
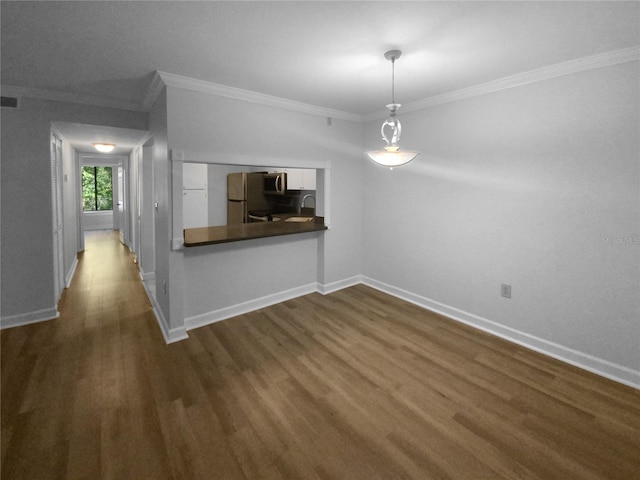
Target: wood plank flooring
x=353 y=385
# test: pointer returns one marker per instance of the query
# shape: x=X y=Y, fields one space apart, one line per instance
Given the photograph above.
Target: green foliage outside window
x=97 y=192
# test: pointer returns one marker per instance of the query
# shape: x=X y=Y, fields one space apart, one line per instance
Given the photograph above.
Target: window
x=97 y=191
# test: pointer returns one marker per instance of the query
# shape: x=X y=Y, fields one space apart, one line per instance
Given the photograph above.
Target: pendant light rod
x=393 y=55
x=393 y=81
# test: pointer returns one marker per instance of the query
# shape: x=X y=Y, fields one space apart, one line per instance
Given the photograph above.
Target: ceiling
x=82 y=137
x=328 y=54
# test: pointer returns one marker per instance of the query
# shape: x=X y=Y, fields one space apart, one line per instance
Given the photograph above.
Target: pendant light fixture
x=392 y=156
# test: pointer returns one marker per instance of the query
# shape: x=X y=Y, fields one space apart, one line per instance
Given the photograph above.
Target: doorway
x=104 y=187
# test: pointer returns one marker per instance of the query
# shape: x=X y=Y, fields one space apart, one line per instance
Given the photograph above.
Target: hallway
x=75 y=390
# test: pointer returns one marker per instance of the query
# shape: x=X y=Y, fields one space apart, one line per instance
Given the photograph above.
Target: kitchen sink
x=299 y=219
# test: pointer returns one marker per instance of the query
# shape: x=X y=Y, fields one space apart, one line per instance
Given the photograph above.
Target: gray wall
x=162 y=195
x=274 y=136
x=534 y=186
x=26 y=251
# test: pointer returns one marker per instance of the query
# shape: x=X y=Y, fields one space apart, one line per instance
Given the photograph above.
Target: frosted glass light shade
x=104 y=147
x=392 y=156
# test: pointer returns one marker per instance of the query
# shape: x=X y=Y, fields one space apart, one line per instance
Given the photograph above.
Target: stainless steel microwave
x=275 y=183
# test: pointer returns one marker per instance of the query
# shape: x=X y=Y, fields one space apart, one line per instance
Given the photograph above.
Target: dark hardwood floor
x=355 y=385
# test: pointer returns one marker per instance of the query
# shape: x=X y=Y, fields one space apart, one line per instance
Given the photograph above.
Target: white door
x=138 y=204
x=121 y=204
x=57 y=216
x=134 y=219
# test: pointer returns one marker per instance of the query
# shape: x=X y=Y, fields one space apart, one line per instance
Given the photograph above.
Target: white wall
x=275 y=137
x=531 y=186
x=101 y=220
x=162 y=217
x=221 y=278
x=26 y=252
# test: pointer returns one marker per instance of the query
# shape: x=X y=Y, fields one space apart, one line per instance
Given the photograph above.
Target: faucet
x=305 y=197
x=303 y=200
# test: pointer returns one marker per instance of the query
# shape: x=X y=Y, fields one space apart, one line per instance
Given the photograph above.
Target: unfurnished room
x=354 y=240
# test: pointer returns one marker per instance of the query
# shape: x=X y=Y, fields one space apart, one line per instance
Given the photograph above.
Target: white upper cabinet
x=300 y=178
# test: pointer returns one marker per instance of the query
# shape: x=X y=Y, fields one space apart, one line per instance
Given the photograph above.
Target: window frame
x=96 y=195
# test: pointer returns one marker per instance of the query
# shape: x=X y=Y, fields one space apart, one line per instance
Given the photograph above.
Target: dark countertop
x=194 y=237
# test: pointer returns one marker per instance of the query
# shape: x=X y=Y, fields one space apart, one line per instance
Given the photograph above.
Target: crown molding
x=545 y=73
x=58 y=96
x=202 y=86
x=162 y=79
x=153 y=92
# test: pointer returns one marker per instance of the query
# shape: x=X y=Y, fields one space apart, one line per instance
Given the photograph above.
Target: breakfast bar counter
x=194 y=237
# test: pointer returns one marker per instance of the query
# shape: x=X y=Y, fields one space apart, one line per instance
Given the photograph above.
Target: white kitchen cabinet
x=301 y=178
x=309 y=178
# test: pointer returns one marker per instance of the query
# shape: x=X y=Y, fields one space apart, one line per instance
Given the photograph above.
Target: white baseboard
x=579 y=359
x=246 y=307
x=582 y=360
x=170 y=335
x=266 y=301
x=71 y=272
x=328 y=288
x=28 y=318
x=104 y=226
x=146 y=276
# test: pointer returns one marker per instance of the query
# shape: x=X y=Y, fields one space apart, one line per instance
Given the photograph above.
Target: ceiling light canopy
x=104 y=147
x=392 y=156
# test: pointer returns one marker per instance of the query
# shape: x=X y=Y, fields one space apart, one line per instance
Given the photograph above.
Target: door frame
x=147 y=213
x=57 y=210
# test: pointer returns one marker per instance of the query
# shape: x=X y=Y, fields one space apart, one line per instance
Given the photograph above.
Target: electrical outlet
x=505 y=290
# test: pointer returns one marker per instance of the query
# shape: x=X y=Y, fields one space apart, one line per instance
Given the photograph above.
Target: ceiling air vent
x=9 y=102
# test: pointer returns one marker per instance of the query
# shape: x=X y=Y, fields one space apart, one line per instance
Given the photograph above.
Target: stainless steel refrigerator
x=245 y=194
